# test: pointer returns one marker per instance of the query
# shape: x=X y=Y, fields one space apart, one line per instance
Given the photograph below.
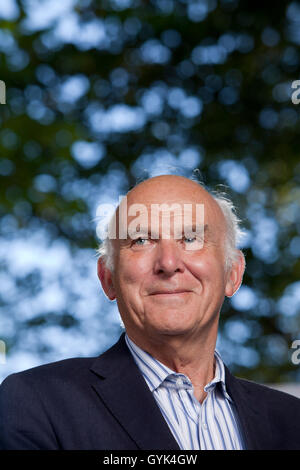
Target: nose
x=168 y=259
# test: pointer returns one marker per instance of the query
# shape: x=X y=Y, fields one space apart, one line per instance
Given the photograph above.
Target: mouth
x=170 y=292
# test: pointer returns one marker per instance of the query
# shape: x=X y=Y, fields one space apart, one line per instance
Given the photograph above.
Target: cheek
x=207 y=268
x=132 y=270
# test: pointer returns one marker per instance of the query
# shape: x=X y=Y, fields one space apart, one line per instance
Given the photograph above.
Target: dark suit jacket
x=105 y=403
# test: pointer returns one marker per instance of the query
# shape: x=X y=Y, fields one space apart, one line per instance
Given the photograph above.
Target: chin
x=170 y=330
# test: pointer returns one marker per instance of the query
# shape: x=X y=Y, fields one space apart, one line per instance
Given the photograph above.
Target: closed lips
x=181 y=291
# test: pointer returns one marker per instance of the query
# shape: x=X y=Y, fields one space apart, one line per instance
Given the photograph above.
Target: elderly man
x=163 y=385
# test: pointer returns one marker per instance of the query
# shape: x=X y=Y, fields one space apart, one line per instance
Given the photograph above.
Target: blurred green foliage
x=100 y=91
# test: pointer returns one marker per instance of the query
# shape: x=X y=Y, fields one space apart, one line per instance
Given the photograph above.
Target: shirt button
x=179 y=381
x=204 y=425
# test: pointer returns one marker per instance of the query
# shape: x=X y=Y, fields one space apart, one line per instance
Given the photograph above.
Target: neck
x=195 y=359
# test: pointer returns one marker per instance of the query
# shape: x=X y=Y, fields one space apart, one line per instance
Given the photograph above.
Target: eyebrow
x=146 y=232
x=192 y=228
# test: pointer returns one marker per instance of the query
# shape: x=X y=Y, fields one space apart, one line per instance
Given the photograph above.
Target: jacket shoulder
x=29 y=400
x=64 y=368
x=266 y=389
x=275 y=399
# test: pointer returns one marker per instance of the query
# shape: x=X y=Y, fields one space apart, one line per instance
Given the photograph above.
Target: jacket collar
x=125 y=393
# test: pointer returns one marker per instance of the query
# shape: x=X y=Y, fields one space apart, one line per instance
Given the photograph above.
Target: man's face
x=176 y=285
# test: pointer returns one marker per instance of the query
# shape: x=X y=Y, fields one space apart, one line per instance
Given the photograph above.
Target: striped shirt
x=212 y=425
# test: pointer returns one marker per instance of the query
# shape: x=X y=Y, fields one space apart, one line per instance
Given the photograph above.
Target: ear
x=105 y=277
x=235 y=275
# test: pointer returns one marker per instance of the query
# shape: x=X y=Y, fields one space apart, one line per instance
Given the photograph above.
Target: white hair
x=106 y=252
x=234 y=233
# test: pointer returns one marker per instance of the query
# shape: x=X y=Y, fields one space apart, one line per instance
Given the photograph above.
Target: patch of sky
x=295 y=246
x=275 y=349
x=119 y=77
x=265 y=233
x=212 y=54
x=68 y=282
x=236 y=354
x=118 y=118
x=18 y=60
x=73 y=88
x=43 y=15
x=218 y=53
x=46 y=75
x=31 y=251
x=45 y=183
x=289 y=303
x=235 y=174
x=39 y=112
x=197 y=11
x=7 y=42
x=191 y=107
x=17 y=361
x=8 y=288
x=244 y=299
x=84 y=35
x=154 y=164
x=237 y=331
x=288 y=213
x=81 y=188
x=231 y=41
x=9 y=10
x=88 y=154
x=110 y=191
x=190 y=158
x=176 y=97
x=120 y=5
x=228 y=41
x=293 y=22
x=154 y=52
x=152 y=102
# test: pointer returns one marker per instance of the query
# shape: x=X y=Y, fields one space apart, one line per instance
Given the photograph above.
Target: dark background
x=101 y=94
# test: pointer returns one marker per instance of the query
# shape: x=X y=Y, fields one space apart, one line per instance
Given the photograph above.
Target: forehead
x=170 y=198
x=180 y=192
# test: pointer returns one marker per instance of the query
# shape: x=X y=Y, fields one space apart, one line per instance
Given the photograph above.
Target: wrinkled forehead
x=160 y=195
x=162 y=219
x=173 y=211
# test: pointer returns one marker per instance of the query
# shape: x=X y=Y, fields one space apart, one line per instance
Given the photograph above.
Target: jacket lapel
x=125 y=393
x=123 y=390
x=252 y=413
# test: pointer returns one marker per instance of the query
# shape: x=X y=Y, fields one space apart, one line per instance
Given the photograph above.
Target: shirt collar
x=155 y=373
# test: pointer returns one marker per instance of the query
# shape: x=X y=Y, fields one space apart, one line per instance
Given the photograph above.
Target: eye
x=140 y=241
x=193 y=243
x=189 y=239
